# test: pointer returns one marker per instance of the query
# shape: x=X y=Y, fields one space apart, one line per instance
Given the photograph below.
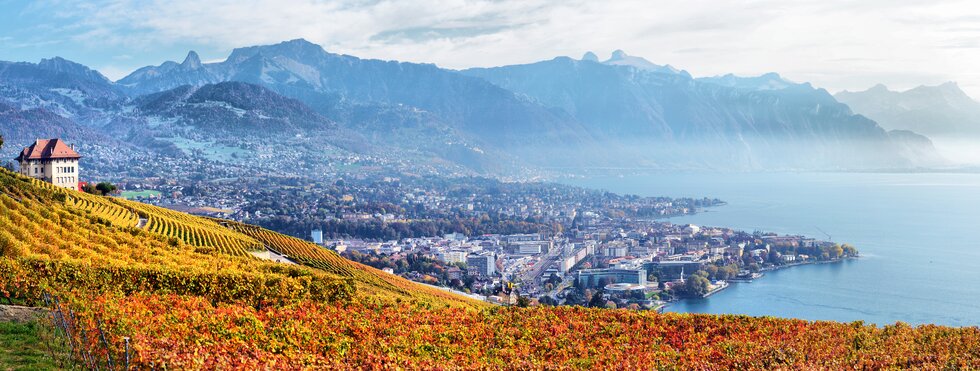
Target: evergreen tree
x=597 y=300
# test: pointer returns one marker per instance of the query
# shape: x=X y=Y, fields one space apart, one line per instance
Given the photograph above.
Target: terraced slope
x=56 y=240
x=312 y=255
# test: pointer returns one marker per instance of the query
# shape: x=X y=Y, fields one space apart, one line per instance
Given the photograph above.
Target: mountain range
x=663 y=117
x=940 y=111
x=561 y=113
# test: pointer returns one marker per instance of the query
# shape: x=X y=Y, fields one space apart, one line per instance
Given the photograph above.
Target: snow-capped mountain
x=620 y=58
x=769 y=81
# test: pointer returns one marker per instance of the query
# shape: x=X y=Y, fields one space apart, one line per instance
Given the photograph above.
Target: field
x=132 y=195
x=187 y=294
x=212 y=150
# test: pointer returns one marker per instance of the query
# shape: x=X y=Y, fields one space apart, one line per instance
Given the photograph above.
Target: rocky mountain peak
x=192 y=61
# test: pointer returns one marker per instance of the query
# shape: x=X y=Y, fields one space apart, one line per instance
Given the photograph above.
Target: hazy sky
x=833 y=44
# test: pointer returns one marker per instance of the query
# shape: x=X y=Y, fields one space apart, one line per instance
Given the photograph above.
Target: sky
x=834 y=44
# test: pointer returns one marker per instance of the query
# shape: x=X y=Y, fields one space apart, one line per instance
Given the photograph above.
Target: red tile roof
x=47 y=149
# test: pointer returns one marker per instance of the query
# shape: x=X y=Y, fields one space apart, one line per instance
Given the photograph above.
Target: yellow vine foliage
x=57 y=240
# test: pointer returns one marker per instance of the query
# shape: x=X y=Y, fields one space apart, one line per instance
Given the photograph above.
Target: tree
x=836 y=251
x=597 y=300
x=105 y=188
x=638 y=295
x=90 y=189
x=554 y=279
x=523 y=302
x=547 y=300
x=727 y=272
x=1 y=141
x=696 y=285
x=712 y=271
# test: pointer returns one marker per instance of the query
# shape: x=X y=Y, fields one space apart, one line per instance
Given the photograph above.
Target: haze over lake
x=917 y=234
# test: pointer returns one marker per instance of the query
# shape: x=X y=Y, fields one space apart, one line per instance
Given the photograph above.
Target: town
x=605 y=262
x=510 y=243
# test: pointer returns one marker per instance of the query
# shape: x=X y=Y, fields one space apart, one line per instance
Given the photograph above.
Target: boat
x=746 y=276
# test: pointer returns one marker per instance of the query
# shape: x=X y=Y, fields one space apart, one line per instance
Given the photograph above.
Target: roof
x=47 y=149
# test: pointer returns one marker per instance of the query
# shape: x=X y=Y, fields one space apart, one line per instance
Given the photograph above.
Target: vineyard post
x=88 y=351
x=108 y=352
x=82 y=346
x=64 y=325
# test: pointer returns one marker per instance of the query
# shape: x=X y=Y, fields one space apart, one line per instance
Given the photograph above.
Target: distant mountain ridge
x=943 y=110
x=620 y=58
x=769 y=81
x=479 y=112
x=728 y=122
x=623 y=112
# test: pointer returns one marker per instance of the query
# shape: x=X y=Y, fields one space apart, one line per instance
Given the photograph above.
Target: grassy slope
x=21 y=347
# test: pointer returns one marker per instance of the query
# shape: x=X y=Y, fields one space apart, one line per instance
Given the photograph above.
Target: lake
x=918 y=234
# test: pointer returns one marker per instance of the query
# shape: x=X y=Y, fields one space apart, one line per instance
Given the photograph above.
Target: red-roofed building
x=51 y=160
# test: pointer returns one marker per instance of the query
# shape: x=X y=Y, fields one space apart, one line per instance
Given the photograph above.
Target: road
x=530 y=279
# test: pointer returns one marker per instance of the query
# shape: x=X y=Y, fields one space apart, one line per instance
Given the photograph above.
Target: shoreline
x=770 y=269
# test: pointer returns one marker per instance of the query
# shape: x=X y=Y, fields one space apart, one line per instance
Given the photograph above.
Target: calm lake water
x=919 y=235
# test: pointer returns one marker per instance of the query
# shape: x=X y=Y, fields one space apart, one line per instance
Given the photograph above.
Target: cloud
x=423 y=34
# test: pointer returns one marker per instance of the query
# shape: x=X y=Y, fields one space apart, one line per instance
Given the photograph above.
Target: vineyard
x=52 y=239
x=314 y=256
x=190 y=333
x=137 y=286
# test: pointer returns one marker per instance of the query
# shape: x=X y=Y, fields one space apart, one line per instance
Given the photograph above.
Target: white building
x=453 y=256
x=52 y=161
x=317 y=236
x=482 y=265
